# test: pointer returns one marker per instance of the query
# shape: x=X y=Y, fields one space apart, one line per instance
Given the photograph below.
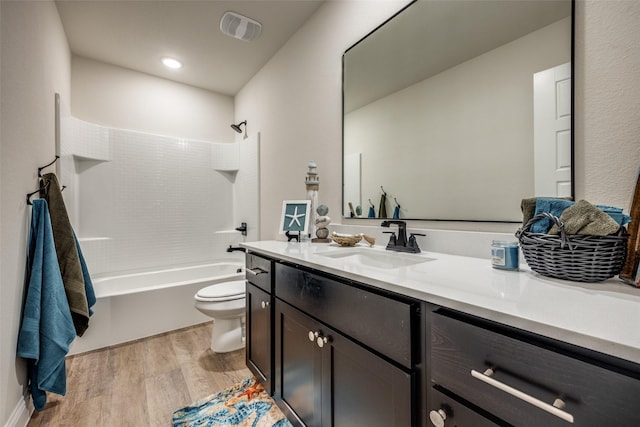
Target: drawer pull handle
x=264 y=304
x=256 y=271
x=552 y=409
x=313 y=336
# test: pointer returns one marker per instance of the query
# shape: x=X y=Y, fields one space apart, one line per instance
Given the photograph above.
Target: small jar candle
x=504 y=255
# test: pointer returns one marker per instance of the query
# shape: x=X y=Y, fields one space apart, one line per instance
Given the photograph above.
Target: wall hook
x=46 y=166
x=39 y=190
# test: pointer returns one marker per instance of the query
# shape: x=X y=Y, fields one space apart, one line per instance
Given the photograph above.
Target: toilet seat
x=227 y=291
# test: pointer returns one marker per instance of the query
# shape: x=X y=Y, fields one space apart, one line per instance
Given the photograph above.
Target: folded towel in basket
x=528 y=207
x=556 y=207
x=585 y=218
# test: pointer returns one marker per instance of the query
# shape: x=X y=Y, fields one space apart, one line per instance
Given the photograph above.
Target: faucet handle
x=392 y=238
x=413 y=243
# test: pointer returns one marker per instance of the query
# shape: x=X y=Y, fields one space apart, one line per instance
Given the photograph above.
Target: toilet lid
x=223 y=291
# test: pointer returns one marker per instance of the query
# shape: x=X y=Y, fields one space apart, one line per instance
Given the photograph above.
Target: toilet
x=225 y=303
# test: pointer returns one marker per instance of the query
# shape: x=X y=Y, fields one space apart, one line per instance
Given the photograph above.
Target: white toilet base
x=228 y=335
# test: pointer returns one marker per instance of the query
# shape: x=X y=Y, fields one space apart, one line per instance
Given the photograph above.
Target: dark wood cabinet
x=345 y=354
x=259 y=327
x=325 y=379
x=340 y=353
x=527 y=380
x=259 y=319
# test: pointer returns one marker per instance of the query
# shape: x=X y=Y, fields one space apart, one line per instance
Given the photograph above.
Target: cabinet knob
x=313 y=336
x=264 y=304
x=321 y=341
x=438 y=417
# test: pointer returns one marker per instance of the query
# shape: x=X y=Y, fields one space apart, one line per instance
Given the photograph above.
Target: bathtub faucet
x=242 y=229
x=231 y=249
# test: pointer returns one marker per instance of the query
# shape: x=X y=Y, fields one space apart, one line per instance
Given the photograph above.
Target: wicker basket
x=582 y=258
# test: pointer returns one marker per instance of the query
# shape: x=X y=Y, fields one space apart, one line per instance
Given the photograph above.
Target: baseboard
x=21 y=414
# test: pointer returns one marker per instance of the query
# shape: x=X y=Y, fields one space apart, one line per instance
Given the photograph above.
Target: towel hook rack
x=43 y=187
x=383 y=192
x=46 y=166
x=396 y=200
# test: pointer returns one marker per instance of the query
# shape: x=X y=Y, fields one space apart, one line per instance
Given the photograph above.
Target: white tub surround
x=141 y=201
x=600 y=316
x=138 y=305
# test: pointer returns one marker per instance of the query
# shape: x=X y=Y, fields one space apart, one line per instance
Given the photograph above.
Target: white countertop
x=601 y=316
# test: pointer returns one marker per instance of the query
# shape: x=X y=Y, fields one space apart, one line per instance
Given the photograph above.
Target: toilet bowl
x=225 y=304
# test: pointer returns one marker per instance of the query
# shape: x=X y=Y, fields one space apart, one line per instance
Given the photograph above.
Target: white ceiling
x=136 y=34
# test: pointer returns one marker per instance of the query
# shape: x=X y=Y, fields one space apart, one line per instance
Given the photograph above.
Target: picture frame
x=295 y=217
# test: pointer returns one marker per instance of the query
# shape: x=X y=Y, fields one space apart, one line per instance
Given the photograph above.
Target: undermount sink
x=375 y=258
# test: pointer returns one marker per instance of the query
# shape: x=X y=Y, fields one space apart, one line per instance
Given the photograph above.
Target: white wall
x=116 y=97
x=35 y=65
x=607 y=108
x=295 y=100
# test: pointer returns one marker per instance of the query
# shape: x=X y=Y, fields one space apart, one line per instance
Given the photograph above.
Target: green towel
x=382 y=212
x=585 y=218
x=67 y=252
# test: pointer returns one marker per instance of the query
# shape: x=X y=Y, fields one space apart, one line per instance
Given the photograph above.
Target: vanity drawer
x=259 y=271
x=528 y=373
x=379 y=322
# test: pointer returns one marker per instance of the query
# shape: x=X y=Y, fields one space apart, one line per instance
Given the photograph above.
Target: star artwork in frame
x=295 y=214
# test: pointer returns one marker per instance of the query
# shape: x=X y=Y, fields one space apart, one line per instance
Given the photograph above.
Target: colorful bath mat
x=244 y=404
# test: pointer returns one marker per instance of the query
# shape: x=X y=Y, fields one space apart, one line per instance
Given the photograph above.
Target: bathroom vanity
x=362 y=336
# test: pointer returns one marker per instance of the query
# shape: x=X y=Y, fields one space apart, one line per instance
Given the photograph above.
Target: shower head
x=237 y=127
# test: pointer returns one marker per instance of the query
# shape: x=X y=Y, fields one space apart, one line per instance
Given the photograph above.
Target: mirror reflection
x=457 y=110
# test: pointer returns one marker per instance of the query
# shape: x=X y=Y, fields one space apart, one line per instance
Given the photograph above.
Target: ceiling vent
x=240 y=27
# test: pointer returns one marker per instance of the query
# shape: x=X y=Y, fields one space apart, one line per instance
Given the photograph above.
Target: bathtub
x=138 y=305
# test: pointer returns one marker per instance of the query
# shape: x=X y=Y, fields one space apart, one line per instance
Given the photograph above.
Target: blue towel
x=557 y=206
x=47 y=329
x=88 y=284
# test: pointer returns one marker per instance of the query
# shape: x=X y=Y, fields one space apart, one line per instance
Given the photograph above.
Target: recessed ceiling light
x=171 y=63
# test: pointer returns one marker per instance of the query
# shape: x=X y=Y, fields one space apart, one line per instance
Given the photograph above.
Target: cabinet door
x=325 y=379
x=259 y=355
x=360 y=388
x=298 y=367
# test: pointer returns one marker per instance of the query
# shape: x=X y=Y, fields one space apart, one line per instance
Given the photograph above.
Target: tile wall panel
x=148 y=201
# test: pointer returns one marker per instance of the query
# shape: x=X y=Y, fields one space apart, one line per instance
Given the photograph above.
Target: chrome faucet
x=400 y=243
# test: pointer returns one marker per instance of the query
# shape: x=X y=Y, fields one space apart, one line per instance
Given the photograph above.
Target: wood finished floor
x=142 y=382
